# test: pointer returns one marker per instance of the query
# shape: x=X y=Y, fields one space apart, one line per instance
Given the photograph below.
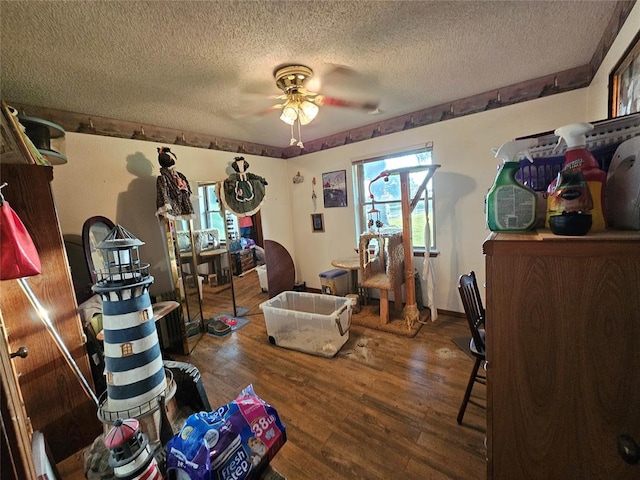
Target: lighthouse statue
x=130 y=455
x=137 y=382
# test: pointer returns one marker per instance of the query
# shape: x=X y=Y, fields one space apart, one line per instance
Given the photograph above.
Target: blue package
x=234 y=442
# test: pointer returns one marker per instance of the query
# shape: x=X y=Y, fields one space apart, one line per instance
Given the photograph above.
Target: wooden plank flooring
x=383 y=408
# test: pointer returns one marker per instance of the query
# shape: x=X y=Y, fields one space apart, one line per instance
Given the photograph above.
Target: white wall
x=116 y=178
x=463 y=147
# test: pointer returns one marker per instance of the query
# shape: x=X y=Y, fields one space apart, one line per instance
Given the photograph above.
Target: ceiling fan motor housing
x=292 y=77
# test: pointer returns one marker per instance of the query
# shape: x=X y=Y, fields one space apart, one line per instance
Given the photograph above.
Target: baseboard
x=451 y=313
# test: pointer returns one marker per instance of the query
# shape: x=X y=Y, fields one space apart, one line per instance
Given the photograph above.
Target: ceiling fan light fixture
x=307 y=111
x=300 y=106
x=289 y=113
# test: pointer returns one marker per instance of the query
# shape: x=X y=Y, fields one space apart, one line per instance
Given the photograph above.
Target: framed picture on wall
x=624 y=82
x=334 y=188
x=317 y=222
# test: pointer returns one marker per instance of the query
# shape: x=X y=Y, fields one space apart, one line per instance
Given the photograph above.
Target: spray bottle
x=511 y=206
x=579 y=157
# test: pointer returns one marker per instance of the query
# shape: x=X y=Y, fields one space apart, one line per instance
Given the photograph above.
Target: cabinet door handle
x=628 y=449
x=22 y=352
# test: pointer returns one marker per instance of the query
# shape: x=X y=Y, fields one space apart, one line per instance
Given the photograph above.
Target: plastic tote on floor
x=334 y=282
x=262 y=277
x=309 y=322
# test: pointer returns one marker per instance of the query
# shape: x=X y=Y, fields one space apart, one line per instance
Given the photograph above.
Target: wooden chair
x=474 y=345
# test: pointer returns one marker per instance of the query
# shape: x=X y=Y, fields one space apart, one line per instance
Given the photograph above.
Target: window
x=126 y=349
x=210 y=216
x=387 y=196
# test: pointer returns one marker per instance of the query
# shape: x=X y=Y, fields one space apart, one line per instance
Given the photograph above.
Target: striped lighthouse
x=134 y=369
x=129 y=453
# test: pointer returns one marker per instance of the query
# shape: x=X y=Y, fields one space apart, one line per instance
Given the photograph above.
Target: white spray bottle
x=511 y=206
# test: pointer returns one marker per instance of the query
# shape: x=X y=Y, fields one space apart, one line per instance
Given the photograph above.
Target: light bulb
x=289 y=113
x=307 y=112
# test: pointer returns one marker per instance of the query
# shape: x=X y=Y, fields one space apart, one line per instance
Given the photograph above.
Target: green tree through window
x=387 y=195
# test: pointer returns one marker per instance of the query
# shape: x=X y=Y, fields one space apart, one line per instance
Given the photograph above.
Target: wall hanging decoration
x=334 y=188
x=317 y=222
x=314 y=197
x=173 y=199
x=243 y=192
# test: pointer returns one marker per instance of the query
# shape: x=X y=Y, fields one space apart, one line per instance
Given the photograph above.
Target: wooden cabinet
x=54 y=399
x=243 y=260
x=563 y=353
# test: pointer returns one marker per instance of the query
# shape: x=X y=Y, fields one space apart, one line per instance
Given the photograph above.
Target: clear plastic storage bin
x=309 y=322
x=262 y=277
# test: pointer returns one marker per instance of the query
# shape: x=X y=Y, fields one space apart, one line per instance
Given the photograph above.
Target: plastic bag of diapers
x=234 y=442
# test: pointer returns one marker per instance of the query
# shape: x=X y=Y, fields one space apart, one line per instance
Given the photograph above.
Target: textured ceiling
x=190 y=65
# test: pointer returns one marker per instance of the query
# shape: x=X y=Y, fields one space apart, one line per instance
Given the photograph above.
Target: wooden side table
x=352 y=265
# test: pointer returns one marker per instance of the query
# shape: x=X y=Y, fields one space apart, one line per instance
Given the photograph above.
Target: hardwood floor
x=383 y=408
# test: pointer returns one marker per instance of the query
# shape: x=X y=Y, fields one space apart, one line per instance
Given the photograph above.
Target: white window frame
x=363 y=201
x=215 y=208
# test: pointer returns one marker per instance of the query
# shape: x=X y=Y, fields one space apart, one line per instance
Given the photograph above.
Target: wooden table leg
x=353 y=277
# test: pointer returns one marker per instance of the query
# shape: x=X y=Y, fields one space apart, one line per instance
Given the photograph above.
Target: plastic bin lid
x=336 y=272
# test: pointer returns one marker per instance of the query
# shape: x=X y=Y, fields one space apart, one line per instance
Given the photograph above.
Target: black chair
x=474 y=345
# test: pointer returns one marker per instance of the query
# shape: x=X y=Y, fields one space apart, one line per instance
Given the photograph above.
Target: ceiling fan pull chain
x=300 y=144
x=293 y=139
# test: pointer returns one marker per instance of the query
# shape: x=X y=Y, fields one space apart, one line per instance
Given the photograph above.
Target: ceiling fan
x=301 y=105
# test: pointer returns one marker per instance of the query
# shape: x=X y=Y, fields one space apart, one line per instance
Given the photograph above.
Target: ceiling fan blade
x=258 y=88
x=368 y=105
x=342 y=86
x=342 y=82
x=253 y=111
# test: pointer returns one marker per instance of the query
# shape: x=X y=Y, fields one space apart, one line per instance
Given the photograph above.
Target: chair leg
x=467 y=393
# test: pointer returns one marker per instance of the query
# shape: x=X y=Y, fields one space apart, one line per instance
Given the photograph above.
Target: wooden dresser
x=563 y=353
x=243 y=260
